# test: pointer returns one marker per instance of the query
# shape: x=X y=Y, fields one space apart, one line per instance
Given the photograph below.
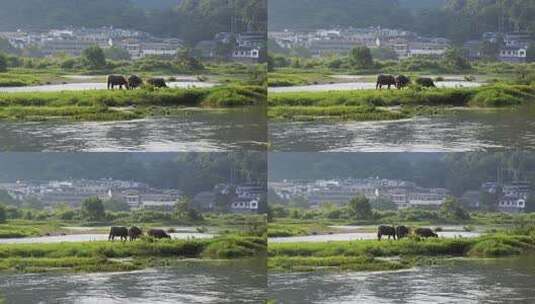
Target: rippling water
x=195 y=131
x=487 y=281
x=460 y=132
x=241 y=281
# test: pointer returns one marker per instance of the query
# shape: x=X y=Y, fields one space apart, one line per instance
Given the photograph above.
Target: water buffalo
x=117 y=80
x=134 y=81
x=426 y=82
x=401 y=232
x=425 y=232
x=402 y=81
x=383 y=80
x=386 y=230
x=118 y=231
x=158 y=234
x=157 y=82
x=134 y=233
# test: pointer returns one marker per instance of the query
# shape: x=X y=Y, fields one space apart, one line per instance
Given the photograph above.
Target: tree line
x=458 y=20
x=458 y=172
x=191 y=20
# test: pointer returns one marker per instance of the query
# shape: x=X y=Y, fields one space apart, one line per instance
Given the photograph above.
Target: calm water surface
x=361 y=86
x=194 y=131
x=485 y=281
x=361 y=236
x=242 y=281
x=94 y=86
x=464 y=131
x=87 y=237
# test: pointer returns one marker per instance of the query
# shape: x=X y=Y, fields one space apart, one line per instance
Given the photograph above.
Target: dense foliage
x=190 y=172
x=192 y=20
x=458 y=20
x=457 y=172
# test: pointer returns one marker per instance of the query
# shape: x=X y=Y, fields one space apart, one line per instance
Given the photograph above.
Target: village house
x=513 y=54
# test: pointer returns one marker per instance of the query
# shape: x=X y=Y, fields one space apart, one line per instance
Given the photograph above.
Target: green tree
x=360 y=207
x=116 y=205
x=530 y=56
x=2 y=213
x=383 y=204
x=187 y=61
x=530 y=204
x=490 y=50
x=361 y=57
x=184 y=211
x=3 y=63
x=94 y=57
x=117 y=53
x=452 y=209
x=93 y=209
x=456 y=60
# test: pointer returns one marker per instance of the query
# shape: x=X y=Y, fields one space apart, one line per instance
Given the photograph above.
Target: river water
x=88 y=237
x=94 y=86
x=463 y=131
x=483 y=281
x=238 y=281
x=354 y=236
x=193 y=131
x=361 y=86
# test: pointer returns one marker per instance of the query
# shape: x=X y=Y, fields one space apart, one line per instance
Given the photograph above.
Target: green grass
x=119 y=256
x=288 y=77
x=122 y=105
x=22 y=228
x=364 y=255
x=366 y=104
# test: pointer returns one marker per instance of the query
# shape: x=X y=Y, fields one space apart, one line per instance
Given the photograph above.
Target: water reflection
x=242 y=281
x=460 y=132
x=194 y=131
x=490 y=281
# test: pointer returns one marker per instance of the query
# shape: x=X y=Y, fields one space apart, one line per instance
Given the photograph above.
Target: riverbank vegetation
x=118 y=256
x=394 y=104
x=123 y=105
x=373 y=255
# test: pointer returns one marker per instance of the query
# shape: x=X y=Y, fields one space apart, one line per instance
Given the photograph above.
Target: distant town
x=247 y=46
x=240 y=198
x=510 y=197
x=511 y=47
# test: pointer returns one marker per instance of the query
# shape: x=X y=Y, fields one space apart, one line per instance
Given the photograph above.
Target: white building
x=513 y=53
x=245 y=205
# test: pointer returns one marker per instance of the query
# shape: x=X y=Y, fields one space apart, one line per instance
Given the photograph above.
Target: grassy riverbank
x=372 y=255
x=393 y=104
x=123 y=105
x=118 y=256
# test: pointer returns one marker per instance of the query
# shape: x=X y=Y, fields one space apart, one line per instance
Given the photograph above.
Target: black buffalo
x=157 y=82
x=117 y=80
x=158 y=234
x=401 y=232
x=402 y=81
x=134 y=81
x=134 y=233
x=426 y=82
x=118 y=231
x=385 y=80
x=386 y=230
x=425 y=232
